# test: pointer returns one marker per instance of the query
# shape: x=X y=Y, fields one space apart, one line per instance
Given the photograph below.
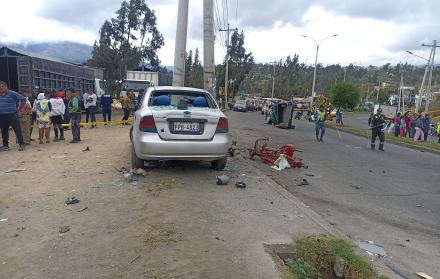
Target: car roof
x=177 y=88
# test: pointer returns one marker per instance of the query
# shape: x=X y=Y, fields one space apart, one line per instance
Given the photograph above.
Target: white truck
x=137 y=80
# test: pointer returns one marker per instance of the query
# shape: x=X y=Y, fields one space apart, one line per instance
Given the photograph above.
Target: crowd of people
x=22 y=112
x=411 y=125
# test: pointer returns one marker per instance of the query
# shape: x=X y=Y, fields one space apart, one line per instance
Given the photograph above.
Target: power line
x=219 y=24
x=236 y=12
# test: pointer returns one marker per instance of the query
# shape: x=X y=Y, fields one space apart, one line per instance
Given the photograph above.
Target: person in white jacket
x=57 y=115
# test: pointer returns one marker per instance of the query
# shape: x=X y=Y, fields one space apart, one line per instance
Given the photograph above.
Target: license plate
x=187 y=126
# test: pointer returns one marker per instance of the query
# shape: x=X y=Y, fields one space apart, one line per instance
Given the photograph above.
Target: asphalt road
x=391 y=197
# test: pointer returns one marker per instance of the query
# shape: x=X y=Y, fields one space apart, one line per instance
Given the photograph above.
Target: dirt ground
x=173 y=223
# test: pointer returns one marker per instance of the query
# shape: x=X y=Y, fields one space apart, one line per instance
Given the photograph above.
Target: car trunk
x=191 y=124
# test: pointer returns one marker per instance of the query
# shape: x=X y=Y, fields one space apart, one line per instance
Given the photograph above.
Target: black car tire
x=219 y=164
x=136 y=162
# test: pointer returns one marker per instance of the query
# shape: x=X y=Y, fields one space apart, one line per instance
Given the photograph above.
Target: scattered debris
x=58 y=157
x=371 y=248
x=355 y=187
x=21 y=228
x=424 y=275
x=270 y=154
x=64 y=229
x=82 y=209
x=281 y=163
x=219 y=238
x=14 y=170
x=87 y=149
x=240 y=185
x=222 y=179
x=303 y=182
x=130 y=262
x=140 y=172
x=3 y=220
x=72 y=200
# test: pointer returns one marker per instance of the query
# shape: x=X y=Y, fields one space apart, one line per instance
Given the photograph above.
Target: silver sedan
x=179 y=123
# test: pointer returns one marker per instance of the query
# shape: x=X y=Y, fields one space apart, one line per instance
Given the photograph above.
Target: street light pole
x=314 y=75
x=316 y=62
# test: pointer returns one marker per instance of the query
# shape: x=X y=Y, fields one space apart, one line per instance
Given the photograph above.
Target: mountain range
x=67 y=51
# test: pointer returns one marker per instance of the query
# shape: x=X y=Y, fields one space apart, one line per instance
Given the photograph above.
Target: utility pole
x=227 y=63
x=428 y=92
x=208 y=45
x=419 y=99
x=180 y=48
x=273 y=80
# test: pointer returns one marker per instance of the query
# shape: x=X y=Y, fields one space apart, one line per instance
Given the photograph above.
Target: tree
x=193 y=70
x=345 y=95
x=127 y=40
x=240 y=64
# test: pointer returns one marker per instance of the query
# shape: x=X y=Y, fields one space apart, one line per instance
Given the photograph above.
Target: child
x=56 y=115
x=43 y=107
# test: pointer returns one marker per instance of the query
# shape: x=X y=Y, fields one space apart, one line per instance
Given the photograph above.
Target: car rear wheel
x=219 y=164
x=136 y=162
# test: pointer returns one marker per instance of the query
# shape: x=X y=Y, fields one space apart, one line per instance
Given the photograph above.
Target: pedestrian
x=402 y=127
x=74 y=108
x=106 y=104
x=438 y=131
x=86 y=106
x=66 y=112
x=397 y=123
x=413 y=124
x=9 y=116
x=91 y=99
x=42 y=107
x=57 y=114
x=408 y=123
x=339 y=117
x=426 y=126
x=125 y=106
x=419 y=135
x=320 y=117
x=377 y=127
x=31 y=100
x=25 y=118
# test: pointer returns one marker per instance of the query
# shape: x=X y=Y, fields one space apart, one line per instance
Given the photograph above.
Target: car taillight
x=147 y=124
x=222 y=126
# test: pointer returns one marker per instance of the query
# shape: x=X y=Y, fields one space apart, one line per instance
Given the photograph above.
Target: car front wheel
x=136 y=162
x=219 y=164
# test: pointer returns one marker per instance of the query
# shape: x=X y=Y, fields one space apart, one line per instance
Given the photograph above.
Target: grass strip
x=316 y=256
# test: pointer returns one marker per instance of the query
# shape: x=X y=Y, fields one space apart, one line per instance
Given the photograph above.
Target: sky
x=373 y=32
